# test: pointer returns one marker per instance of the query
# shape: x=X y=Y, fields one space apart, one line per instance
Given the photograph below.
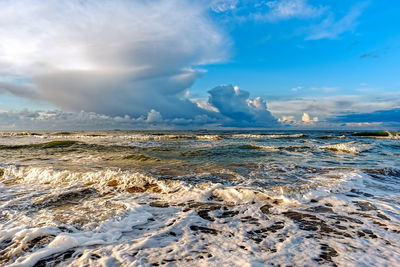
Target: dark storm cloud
x=392 y=115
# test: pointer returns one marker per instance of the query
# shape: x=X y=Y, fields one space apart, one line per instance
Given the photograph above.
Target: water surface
x=256 y=198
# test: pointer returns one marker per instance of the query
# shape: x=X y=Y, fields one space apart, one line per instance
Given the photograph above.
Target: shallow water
x=244 y=198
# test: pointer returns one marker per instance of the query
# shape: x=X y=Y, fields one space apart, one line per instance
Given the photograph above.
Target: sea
x=199 y=198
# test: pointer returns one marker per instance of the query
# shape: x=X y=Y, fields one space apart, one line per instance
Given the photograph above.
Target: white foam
x=107 y=233
x=117 y=241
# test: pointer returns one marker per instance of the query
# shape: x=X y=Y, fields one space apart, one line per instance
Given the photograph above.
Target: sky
x=209 y=64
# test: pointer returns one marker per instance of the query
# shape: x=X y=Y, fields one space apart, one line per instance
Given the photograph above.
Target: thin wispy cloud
x=376 y=53
x=373 y=54
x=332 y=28
x=268 y=11
x=220 y=6
x=325 y=23
x=288 y=9
x=297 y=88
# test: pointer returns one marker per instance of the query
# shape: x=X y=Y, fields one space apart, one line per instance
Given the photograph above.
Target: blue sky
x=271 y=58
x=206 y=63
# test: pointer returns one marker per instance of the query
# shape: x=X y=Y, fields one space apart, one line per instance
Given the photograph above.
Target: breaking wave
x=349 y=148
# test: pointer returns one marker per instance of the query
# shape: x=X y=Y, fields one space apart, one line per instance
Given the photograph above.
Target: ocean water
x=199 y=198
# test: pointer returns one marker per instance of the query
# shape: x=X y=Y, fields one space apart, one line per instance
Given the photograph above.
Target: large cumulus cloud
x=239 y=109
x=112 y=57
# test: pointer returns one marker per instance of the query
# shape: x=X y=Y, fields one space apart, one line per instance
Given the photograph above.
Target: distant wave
x=142 y=137
x=268 y=136
x=275 y=148
x=331 y=137
x=5 y=134
x=141 y=158
x=51 y=144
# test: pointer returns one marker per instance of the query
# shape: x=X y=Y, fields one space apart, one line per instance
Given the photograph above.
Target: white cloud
x=112 y=57
x=306 y=118
x=287 y=119
x=295 y=89
x=154 y=116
